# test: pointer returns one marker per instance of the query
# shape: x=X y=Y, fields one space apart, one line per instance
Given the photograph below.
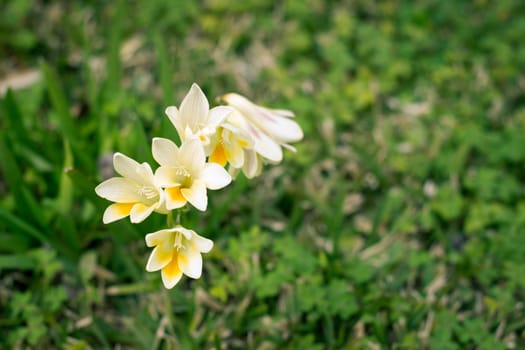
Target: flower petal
x=146 y=175
x=119 y=189
x=202 y=244
x=196 y=195
x=281 y=112
x=161 y=208
x=159 y=258
x=276 y=123
x=235 y=155
x=237 y=134
x=160 y=237
x=165 y=152
x=281 y=129
x=215 y=176
x=268 y=148
x=252 y=164
x=171 y=274
x=194 y=107
x=192 y=157
x=217 y=115
x=140 y=212
x=190 y=262
x=116 y=212
x=173 y=115
x=188 y=234
x=126 y=167
x=263 y=144
x=289 y=147
x=239 y=102
x=166 y=176
x=174 y=198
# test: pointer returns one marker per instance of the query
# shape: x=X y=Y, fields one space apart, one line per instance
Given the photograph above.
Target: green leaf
x=66 y=120
x=14 y=242
x=59 y=102
x=65 y=192
x=20 y=226
x=15 y=120
x=114 y=68
x=85 y=186
x=25 y=202
x=18 y=262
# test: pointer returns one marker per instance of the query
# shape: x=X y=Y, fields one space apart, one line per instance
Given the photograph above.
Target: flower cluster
x=239 y=134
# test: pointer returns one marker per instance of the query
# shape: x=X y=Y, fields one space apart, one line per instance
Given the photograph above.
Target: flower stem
x=170 y=219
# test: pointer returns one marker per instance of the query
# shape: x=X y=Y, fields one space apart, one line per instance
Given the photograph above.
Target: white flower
x=135 y=194
x=269 y=128
x=177 y=251
x=235 y=146
x=231 y=142
x=194 y=119
x=184 y=173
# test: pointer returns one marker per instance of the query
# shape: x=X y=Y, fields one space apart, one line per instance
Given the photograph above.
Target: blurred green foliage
x=398 y=224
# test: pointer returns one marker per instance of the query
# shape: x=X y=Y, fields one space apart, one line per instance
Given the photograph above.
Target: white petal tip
x=171 y=111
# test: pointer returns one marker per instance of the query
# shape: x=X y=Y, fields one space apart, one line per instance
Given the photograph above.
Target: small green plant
x=33 y=312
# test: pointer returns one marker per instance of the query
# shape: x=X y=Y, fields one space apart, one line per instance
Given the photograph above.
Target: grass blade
x=17 y=261
x=114 y=64
x=20 y=226
x=15 y=119
x=15 y=242
x=66 y=121
x=25 y=202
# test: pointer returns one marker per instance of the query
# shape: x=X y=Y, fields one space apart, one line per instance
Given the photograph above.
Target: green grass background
x=398 y=224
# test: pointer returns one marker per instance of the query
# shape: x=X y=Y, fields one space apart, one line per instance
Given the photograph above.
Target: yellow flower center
x=203 y=132
x=181 y=171
x=183 y=176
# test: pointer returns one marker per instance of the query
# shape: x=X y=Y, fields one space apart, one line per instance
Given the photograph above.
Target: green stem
x=170 y=219
x=178 y=218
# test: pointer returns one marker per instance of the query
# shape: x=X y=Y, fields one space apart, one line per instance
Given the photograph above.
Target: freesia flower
x=231 y=141
x=177 y=251
x=184 y=173
x=135 y=193
x=195 y=119
x=269 y=128
x=235 y=146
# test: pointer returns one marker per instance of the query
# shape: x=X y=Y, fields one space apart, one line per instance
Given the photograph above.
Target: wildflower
x=235 y=145
x=177 y=251
x=184 y=173
x=195 y=119
x=135 y=193
x=231 y=141
x=269 y=128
